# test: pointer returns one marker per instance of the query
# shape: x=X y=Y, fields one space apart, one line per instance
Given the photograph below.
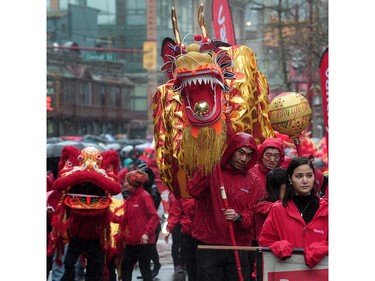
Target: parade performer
x=214 y=91
x=214 y=216
x=138 y=226
x=271 y=155
x=83 y=189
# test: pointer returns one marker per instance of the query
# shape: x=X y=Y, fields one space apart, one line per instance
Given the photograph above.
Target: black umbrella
x=55 y=149
x=135 y=141
x=54 y=140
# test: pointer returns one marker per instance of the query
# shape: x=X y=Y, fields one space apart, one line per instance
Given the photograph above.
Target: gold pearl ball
x=201 y=108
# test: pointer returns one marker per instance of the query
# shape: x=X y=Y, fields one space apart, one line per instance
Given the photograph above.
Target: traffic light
x=149 y=55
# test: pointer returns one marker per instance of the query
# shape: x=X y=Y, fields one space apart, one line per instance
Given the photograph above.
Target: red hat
x=136 y=178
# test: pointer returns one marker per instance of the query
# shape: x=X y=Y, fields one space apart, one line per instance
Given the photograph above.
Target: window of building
x=86 y=93
x=50 y=90
x=107 y=10
x=95 y=94
x=113 y=96
x=102 y=95
x=164 y=14
x=69 y=92
x=126 y=97
x=185 y=17
x=139 y=100
x=136 y=12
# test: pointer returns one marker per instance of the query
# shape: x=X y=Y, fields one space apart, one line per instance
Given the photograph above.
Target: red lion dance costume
x=214 y=91
x=82 y=194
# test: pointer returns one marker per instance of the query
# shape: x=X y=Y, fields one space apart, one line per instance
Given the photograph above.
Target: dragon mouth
x=87 y=196
x=202 y=95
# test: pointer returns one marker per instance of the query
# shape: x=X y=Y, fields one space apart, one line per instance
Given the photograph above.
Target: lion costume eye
x=110 y=169
x=68 y=163
x=80 y=158
x=99 y=157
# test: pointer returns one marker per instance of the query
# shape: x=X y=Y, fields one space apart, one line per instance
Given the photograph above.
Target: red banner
x=324 y=85
x=222 y=21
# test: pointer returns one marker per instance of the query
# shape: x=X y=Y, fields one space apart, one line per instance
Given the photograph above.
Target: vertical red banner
x=325 y=91
x=222 y=21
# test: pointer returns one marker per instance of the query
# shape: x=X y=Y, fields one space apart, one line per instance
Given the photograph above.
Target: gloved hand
x=282 y=249
x=315 y=252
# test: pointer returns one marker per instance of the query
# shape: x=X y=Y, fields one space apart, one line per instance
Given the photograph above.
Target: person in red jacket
x=300 y=220
x=275 y=185
x=212 y=219
x=182 y=212
x=271 y=155
x=139 y=224
x=178 y=256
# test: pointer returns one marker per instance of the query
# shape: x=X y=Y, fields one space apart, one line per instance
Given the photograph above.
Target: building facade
x=121 y=28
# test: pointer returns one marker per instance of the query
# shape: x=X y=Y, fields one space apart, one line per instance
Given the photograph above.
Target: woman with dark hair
x=300 y=220
x=275 y=184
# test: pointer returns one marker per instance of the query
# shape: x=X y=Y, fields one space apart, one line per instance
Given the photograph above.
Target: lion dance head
x=86 y=181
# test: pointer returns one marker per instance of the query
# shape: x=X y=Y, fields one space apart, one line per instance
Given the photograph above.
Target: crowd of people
x=261 y=191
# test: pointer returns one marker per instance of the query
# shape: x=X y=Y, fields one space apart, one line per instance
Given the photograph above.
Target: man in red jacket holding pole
x=224 y=215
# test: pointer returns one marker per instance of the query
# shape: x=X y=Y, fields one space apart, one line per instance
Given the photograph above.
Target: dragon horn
x=201 y=20
x=175 y=26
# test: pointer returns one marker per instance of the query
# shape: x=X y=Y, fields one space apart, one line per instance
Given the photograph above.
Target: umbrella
x=135 y=141
x=143 y=146
x=126 y=150
x=108 y=137
x=93 y=139
x=96 y=145
x=71 y=138
x=55 y=149
x=319 y=163
x=113 y=146
x=54 y=140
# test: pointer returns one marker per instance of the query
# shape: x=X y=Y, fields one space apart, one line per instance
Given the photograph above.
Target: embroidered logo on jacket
x=319 y=231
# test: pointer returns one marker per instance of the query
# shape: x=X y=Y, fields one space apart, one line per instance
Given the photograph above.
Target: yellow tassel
x=203 y=152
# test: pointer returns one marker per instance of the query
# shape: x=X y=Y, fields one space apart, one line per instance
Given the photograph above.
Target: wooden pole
x=231 y=230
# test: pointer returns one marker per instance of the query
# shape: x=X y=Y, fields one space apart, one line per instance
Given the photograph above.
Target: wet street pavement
x=166 y=272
